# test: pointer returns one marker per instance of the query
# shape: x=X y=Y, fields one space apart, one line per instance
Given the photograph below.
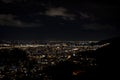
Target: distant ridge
x=110 y=40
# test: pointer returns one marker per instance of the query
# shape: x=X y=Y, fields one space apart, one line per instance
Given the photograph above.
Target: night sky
x=59 y=19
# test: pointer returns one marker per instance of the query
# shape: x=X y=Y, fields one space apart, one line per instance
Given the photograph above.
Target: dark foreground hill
x=108 y=59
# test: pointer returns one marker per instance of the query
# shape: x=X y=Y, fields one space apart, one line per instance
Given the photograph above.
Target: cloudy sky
x=59 y=19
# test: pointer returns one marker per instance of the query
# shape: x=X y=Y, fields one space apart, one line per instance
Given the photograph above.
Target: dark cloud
x=98 y=27
x=11 y=20
x=84 y=15
x=7 y=1
x=13 y=1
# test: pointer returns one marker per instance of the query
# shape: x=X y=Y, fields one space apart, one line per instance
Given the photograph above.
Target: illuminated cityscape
x=59 y=39
x=49 y=53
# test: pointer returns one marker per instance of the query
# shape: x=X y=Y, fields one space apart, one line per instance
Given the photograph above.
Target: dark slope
x=108 y=59
x=110 y=40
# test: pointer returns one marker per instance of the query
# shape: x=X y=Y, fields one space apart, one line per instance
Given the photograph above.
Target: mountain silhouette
x=108 y=59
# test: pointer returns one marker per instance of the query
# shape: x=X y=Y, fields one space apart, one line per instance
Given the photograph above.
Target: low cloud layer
x=13 y=1
x=11 y=20
x=96 y=26
x=60 y=12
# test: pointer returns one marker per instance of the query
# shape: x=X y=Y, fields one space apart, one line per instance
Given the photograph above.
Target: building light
x=74 y=55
